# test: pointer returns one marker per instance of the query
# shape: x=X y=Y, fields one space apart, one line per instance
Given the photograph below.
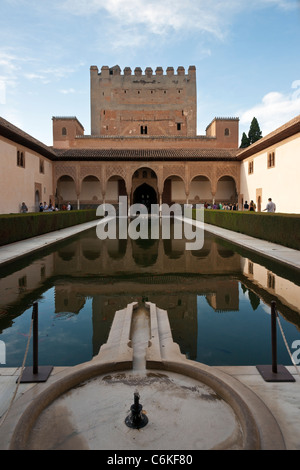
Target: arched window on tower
x=226 y=132
x=64 y=131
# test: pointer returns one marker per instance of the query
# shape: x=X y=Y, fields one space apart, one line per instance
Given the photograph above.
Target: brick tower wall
x=137 y=104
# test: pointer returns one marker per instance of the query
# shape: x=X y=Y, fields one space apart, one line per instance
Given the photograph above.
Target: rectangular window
x=22 y=283
x=250 y=267
x=42 y=166
x=271 y=160
x=178 y=126
x=20 y=159
x=144 y=130
x=250 y=168
x=271 y=281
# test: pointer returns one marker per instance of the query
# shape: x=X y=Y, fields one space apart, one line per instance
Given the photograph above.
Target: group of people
x=220 y=205
x=46 y=207
x=270 y=207
x=249 y=207
x=50 y=207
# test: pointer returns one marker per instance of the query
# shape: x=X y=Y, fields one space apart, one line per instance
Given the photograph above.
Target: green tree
x=245 y=142
x=254 y=134
x=254 y=131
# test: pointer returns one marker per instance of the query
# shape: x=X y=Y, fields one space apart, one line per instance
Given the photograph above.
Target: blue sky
x=247 y=56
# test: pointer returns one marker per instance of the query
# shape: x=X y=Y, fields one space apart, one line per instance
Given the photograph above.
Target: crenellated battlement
x=107 y=72
x=143 y=102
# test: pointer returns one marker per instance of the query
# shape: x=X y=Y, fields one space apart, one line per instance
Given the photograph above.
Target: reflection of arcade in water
x=115 y=273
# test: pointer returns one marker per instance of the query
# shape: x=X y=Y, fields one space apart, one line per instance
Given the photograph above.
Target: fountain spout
x=136 y=419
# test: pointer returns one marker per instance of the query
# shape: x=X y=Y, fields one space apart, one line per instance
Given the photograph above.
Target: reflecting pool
x=217 y=298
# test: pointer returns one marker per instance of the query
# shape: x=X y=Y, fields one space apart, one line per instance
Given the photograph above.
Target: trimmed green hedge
x=283 y=229
x=16 y=227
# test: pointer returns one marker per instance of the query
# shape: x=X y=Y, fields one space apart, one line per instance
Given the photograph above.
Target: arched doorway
x=226 y=190
x=200 y=190
x=174 y=190
x=37 y=200
x=66 y=191
x=91 y=194
x=259 y=204
x=146 y=195
x=115 y=187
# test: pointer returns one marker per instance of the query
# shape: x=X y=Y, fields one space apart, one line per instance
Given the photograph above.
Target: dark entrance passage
x=146 y=195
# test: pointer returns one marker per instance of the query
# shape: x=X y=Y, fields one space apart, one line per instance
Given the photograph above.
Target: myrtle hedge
x=283 y=229
x=16 y=227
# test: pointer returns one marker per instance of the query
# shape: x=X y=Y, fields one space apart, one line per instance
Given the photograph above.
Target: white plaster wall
x=91 y=189
x=200 y=188
x=225 y=190
x=66 y=190
x=178 y=191
x=285 y=290
x=18 y=184
x=281 y=183
x=112 y=191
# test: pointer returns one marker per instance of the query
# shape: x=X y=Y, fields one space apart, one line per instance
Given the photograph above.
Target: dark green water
x=218 y=299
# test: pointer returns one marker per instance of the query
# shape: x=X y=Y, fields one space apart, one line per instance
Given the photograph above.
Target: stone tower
x=149 y=104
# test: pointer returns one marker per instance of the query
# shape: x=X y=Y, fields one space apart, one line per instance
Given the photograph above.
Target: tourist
x=246 y=206
x=69 y=207
x=252 y=206
x=24 y=208
x=270 y=207
x=41 y=207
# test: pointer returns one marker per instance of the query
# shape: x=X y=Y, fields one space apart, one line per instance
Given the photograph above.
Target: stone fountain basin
x=189 y=405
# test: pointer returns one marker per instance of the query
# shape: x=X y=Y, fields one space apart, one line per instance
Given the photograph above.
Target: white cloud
x=2 y=91
x=274 y=110
x=67 y=92
x=164 y=16
x=157 y=16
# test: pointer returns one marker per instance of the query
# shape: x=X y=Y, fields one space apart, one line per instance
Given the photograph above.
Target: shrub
x=16 y=227
x=283 y=229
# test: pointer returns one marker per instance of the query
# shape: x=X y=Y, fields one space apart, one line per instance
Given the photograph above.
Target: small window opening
x=271 y=160
x=271 y=281
x=179 y=126
x=144 y=130
x=226 y=131
x=64 y=131
x=20 y=159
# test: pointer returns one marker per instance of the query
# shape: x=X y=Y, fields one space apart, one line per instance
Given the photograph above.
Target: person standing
x=270 y=207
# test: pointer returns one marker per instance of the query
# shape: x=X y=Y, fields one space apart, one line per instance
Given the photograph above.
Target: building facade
x=143 y=145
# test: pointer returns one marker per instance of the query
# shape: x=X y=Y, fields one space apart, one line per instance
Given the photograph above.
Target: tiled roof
x=147 y=154
x=290 y=128
x=15 y=134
